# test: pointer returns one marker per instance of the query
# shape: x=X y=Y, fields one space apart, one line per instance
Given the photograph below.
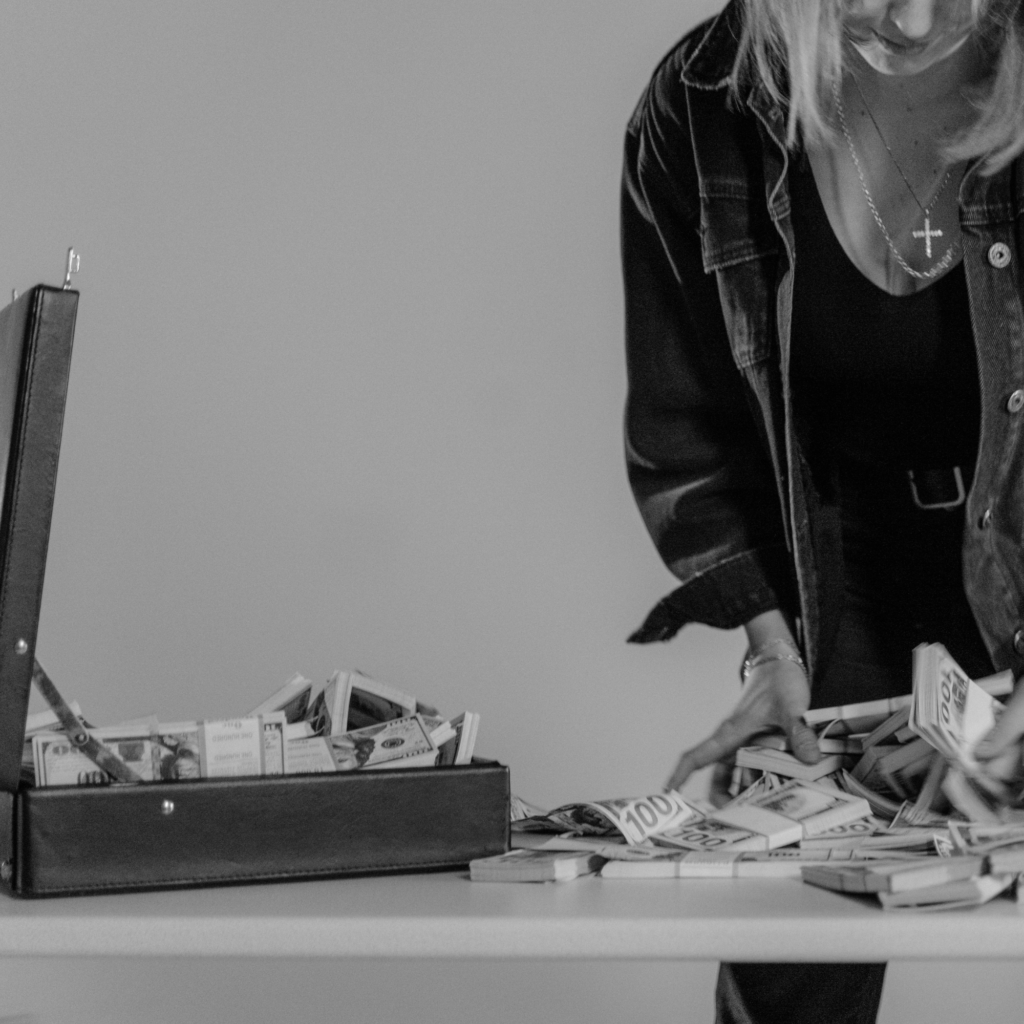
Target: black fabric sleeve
x=697 y=465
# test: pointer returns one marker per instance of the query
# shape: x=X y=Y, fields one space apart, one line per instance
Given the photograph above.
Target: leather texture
x=224 y=831
x=36 y=333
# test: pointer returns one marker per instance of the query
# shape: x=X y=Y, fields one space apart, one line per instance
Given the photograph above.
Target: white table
x=447 y=916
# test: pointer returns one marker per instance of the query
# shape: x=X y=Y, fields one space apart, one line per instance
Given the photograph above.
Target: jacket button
x=1018 y=641
x=1016 y=401
x=999 y=255
x=985 y=520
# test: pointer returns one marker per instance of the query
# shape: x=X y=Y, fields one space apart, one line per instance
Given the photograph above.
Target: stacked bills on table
x=534 y=866
x=898 y=811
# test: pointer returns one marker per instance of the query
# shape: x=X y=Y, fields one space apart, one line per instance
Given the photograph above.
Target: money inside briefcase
x=70 y=840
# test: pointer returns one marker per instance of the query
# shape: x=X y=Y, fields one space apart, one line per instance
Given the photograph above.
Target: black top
x=882 y=379
x=883 y=384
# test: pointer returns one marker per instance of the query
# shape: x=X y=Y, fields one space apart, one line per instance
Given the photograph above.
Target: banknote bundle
x=785 y=863
x=348 y=723
x=897 y=811
x=949 y=883
x=900 y=866
x=908 y=756
x=633 y=820
x=534 y=866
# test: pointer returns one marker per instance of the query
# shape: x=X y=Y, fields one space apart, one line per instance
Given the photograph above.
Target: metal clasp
x=74 y=262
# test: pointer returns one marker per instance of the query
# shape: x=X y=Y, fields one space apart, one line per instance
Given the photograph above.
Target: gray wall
x=347 y=388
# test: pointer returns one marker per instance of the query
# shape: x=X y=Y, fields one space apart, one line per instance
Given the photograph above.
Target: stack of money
x=784 y=863
x=348 y=723
x=948 y=882
x=898 y=810
x=534 y=866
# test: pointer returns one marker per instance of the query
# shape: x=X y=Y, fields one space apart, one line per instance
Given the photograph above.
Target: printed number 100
x=643 y=815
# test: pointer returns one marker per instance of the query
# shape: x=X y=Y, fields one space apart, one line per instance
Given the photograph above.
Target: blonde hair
x=795 y=47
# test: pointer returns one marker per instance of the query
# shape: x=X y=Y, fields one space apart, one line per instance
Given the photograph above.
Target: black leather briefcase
x=65 y=841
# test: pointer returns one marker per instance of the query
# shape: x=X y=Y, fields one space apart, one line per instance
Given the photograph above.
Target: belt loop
x=961 y=493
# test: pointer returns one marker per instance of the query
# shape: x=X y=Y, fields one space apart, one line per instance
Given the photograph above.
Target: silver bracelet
x=761 y=656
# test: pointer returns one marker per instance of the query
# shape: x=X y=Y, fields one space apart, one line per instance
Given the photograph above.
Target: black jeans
x=903 y=587
x=799 y=993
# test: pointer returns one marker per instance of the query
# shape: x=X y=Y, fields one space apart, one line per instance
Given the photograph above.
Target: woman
x=825 y=338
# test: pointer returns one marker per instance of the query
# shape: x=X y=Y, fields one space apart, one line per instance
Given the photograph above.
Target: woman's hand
x=775 y=696
x=1002 y=750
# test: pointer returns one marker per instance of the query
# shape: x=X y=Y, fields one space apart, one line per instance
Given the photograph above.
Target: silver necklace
x=927 y=234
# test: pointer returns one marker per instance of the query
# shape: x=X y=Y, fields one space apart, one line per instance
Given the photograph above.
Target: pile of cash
x=898 y=810
x=348 y=723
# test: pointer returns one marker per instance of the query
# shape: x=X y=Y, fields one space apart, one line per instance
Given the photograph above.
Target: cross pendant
x=928 y=235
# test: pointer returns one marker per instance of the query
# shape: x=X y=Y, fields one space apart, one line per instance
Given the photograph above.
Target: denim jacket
x=714 y=458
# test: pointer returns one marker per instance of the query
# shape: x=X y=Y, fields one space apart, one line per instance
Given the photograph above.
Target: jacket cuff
x=725 y=596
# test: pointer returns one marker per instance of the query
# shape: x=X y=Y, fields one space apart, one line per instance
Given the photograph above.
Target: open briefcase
x=72 y=840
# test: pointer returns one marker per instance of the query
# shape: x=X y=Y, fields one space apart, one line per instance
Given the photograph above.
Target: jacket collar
x=709 y=63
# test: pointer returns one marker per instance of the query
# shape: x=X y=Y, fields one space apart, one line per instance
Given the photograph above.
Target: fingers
x=804 y=742
x=721 y=782
x=723 y=742
x=775 y=695
x=1008 y=730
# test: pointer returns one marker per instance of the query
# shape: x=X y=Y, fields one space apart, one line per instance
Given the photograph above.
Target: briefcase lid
x=36 y=333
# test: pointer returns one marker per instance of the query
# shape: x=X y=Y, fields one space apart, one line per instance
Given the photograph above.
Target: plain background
x=347 y=393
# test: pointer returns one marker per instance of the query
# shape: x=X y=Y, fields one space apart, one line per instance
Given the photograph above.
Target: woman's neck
x=942 y=87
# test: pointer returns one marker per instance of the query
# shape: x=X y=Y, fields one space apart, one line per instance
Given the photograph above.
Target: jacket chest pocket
x=740 y=245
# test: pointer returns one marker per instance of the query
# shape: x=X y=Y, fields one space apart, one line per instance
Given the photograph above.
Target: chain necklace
x=927 y=234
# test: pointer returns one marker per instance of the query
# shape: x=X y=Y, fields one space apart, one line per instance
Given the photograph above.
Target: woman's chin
x=899 y=61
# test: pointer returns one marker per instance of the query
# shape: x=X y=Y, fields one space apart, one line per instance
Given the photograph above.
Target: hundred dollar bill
x=40 y=722
x=795 y=811
x=176 y=751
x=59 y=763
x=164 y=752
x=376 y=745
x=949 y=709
x=635 y=818
x=705 y=834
